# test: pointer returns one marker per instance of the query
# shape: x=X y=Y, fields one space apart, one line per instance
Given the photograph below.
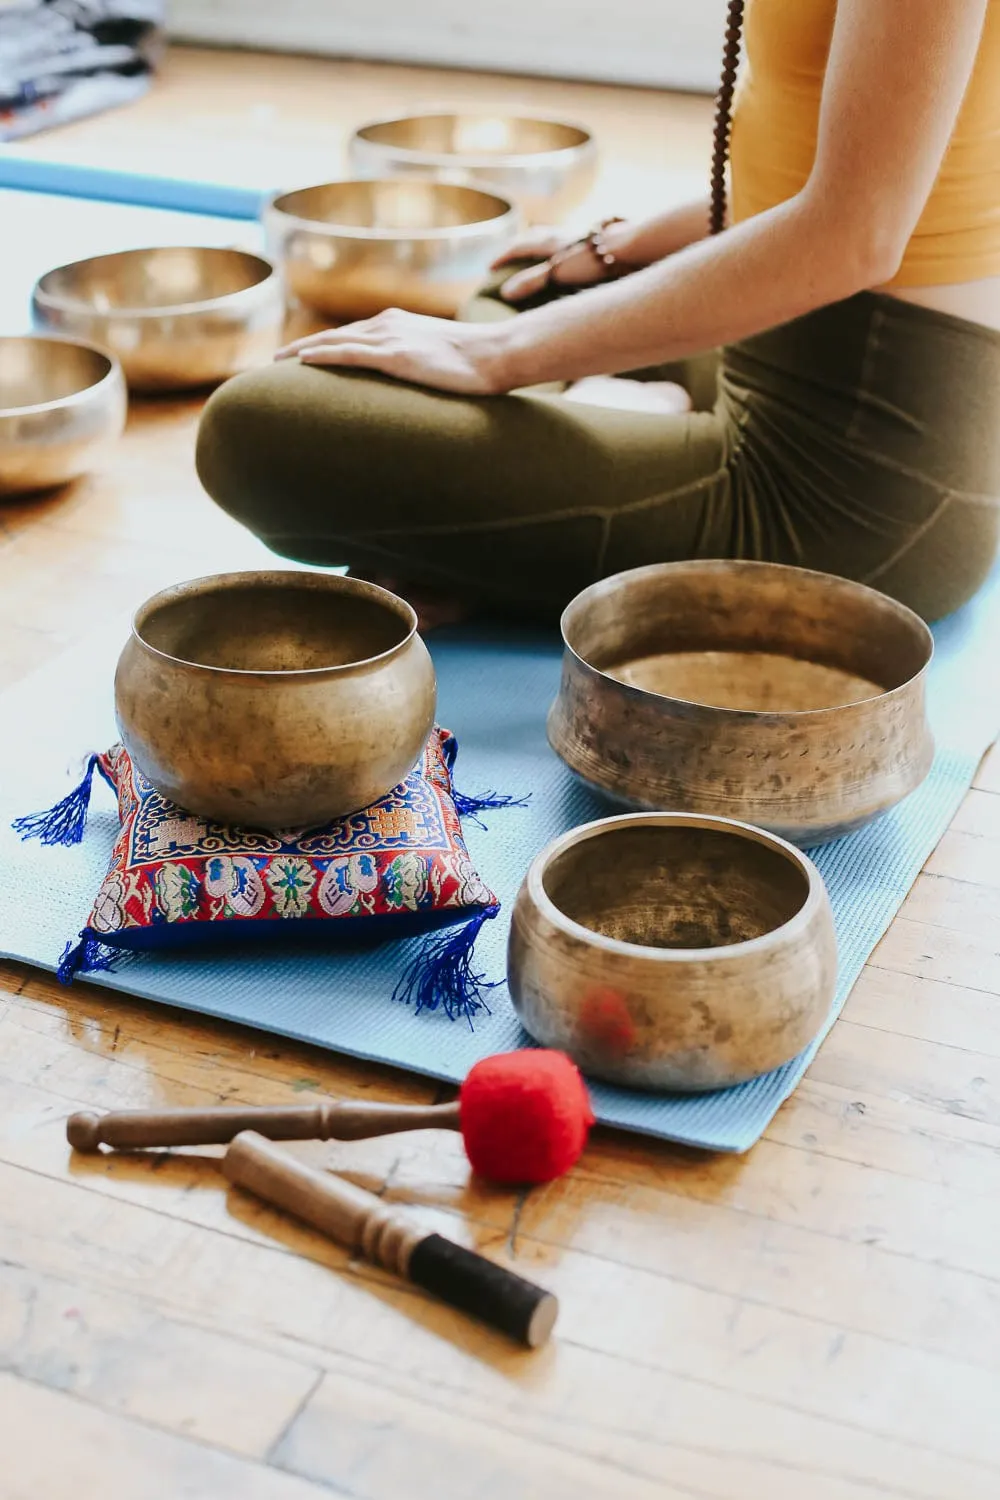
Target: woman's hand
x=463 y=358
x=560 y=262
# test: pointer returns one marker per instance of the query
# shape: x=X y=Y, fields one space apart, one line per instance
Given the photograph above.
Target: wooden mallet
x=524 y=1117
x=366 y=1226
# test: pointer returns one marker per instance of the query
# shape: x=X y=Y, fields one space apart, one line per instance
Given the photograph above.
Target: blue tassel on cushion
x=471 y=807
x=442 y=973
x=63 y=824
x=88 y=956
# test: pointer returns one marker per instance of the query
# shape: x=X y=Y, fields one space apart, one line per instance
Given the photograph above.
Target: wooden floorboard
x=818 y=1320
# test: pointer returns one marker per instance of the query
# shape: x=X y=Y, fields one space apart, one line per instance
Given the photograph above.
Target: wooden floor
x=818 y=1320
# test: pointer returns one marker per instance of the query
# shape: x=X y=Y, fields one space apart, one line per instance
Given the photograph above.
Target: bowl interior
x=747 y=636
x=474 y=135
x=34 y=371
x=676 y=886
x=153 y=280
x=250 y=625
x=392 y=206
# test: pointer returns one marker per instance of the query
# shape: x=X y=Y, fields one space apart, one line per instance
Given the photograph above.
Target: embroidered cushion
x=398 y=868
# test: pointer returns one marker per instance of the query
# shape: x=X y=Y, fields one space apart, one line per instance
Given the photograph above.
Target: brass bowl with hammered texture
x=275 y=700
x=62 y=403
x=546 y=167
x=177 y=316
x=671 y=951
x=350 y=250
x=786 y=698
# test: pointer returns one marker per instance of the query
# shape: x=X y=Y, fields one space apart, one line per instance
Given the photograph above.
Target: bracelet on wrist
x=612 y=263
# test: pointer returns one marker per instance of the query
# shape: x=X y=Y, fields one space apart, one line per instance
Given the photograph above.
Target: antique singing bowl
x=351 y=249
x=275 y=700
x=671 y=951
x=779 y=696
x=547 y=168
x=177 y=317
x=61 y=402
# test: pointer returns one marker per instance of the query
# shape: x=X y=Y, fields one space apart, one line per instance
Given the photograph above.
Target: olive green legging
x=862 y=439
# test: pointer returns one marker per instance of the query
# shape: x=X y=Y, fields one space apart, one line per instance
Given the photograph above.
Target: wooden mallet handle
x=134 y=1129
x=367 y=1226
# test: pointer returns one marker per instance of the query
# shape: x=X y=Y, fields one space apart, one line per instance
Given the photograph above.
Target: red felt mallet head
x=525 y=1116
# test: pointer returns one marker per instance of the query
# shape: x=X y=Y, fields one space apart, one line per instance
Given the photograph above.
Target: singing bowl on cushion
x=349 y=250
x=782 y=697
x=61 y=403
x=275 y=700
x=177 y=316
x=546 y=167
x=668 y=951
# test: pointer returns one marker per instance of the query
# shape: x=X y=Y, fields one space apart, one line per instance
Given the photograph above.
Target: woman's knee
x=242 y=430
x=286 y=430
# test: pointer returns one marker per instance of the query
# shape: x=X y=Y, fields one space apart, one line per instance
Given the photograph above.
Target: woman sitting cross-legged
x=851 y=422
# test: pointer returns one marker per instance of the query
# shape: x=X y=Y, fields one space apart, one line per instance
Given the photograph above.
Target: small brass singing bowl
x=61 y=403
x=350 y=250
x=782 y=697
x=177 y=317
x=544 y=166
x=669 y=951
x=275 y=700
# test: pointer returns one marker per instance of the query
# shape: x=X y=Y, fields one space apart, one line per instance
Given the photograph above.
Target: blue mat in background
x=495 y=690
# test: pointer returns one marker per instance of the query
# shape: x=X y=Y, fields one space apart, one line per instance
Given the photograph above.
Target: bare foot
x=630 y=395
x=433 y=610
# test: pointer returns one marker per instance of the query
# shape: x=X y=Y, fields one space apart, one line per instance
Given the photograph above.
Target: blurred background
x=670 y=44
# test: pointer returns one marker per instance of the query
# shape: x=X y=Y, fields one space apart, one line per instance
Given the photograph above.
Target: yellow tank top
x=774 y=140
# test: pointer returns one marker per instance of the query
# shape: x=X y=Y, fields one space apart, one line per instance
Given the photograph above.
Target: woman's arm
x=654 y=239
x=634 y=245
x=896 y=76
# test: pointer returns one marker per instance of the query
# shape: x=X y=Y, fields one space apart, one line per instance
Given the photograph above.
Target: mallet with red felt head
x=524 y=1118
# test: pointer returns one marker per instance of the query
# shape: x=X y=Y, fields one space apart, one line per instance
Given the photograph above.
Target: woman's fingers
x=536 y=244
x=366 y=355
x=311 y=341
x=525 y=283
x=363 y=329
x=578 y=268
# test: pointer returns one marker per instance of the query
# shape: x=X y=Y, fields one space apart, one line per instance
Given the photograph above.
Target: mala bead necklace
x=613 y=266
x=724 y=116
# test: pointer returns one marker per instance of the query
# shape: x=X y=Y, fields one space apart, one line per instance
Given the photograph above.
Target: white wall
x=663 y=43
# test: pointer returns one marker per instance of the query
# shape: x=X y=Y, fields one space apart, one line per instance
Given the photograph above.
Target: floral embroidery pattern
x=177 y=892
x=236 y=882
x=348 y=885
x=290 y=881
x=404 y=855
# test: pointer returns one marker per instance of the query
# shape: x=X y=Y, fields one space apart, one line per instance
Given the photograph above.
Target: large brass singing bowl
x=275 y=700
x=177 y=317
x=783 y=697
x=669 y=951
x=349 y=250
x=61 y=403
x=544 y=166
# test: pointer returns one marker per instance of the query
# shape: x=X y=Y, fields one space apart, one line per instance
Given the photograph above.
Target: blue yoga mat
x=33 y=174
x=495 y=690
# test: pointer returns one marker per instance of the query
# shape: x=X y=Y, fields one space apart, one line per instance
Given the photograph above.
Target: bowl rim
x=300 y=577
x=363 y=232
x=476 y=159
x=111 y=377
x=43 y=298
x=721 y=564
x=816 y=896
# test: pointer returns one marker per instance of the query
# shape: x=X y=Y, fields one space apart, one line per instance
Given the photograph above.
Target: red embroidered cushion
x=174 y=880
